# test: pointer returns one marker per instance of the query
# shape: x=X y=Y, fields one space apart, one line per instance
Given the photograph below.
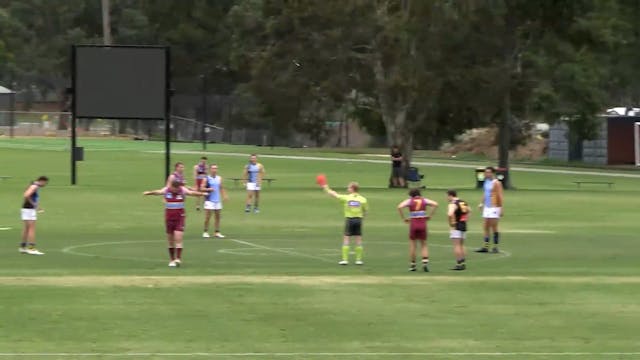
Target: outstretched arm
x=155 y=192
x=190 y=192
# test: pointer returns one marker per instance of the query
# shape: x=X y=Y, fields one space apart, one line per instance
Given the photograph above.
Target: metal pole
x=204 y=112
x=73 y=116
x=106 y=22
x=12 y=113
x=167 y=115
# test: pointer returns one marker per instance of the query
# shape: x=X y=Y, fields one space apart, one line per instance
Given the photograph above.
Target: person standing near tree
x=397 y=177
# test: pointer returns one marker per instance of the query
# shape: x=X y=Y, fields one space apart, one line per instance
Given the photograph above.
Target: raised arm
x=329 y=192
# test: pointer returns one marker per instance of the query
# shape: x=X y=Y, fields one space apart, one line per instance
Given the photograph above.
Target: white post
x=636 y=136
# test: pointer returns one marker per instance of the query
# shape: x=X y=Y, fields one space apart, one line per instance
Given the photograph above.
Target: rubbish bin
x=502 y=174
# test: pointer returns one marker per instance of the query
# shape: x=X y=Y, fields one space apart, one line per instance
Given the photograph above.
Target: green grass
x=566 y=283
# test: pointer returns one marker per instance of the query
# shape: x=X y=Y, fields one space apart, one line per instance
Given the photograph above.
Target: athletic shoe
x=412 y=268
x=343 y=262
x=247 y=210
x=425 y=267
x=198 y=208
x=219 y=236
x=23 y=250
x=178 y=262
x=459 y=267
x=256 y=211
x=482 y=250
x=34 y=252
x=206 y=235
x=495 y=250
x=359 y=262
x=172 y=263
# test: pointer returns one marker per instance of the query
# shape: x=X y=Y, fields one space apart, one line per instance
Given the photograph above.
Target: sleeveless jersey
x=417 y=211
x=213 y=183
x=461 y=215
x=179 y=177
x=34 y=198
x=252 y=172
x=174 y=203
x=490 y=195
x=201 y=170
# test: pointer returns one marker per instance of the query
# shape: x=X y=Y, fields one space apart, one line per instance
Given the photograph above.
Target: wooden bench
x=236 y=180
x=609 y=183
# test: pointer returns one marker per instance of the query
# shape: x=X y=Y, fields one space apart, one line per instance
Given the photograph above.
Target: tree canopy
x=413 y=70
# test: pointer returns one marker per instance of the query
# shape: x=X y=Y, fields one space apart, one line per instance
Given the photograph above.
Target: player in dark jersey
x=177 y=175
x=30 y=209
x=200 y=178
x=458 y=215
x=174 y=216
x=417 y=220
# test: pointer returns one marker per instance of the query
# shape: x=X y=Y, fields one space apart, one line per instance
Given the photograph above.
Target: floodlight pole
x=203 y=129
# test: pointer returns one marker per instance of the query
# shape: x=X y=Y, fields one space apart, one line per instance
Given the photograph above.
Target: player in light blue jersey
x=253 y=175
x=213 y=201
x=30 y=208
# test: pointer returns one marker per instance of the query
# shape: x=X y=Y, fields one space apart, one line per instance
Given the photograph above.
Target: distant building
x=614 y=144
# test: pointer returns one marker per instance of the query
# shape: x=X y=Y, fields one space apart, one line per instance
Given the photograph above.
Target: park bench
x=609 y=183
x=236 y=180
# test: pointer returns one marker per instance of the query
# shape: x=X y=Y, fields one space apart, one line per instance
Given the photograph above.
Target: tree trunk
x=504 y=137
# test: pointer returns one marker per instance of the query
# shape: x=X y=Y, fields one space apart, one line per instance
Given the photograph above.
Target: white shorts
x=491 y=212
x=457 y=234
x=210 y=205
x=253 y=187
x=29 y=214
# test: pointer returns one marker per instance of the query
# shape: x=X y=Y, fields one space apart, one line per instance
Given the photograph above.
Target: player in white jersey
x=213 y=201
x=253 y=175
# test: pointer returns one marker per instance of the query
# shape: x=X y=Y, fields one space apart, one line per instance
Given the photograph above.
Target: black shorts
x=353 y=227
x=396 y=172
x=461 y=226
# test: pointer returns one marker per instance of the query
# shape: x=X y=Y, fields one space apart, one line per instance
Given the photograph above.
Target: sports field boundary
x=329 y=354
x=413 y=163
x=301 y=280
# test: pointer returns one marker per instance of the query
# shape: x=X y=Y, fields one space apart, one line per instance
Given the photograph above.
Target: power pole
x=106 y=22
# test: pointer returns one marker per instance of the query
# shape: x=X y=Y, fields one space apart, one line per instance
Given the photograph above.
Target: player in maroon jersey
x=174 y=216
x=417 y=220
x=200 y=178
x=178 y=174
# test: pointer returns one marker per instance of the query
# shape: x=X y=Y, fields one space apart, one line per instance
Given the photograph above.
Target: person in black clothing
x=30 y=208
x=458 y=215
x=397 y=178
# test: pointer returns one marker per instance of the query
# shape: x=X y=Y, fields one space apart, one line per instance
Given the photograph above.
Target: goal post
x=636 y=141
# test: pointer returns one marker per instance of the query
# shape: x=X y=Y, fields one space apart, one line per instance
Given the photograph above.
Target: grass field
x=566 y=284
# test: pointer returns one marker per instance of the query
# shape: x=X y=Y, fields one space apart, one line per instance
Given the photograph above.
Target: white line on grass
x=288 y=252
x=323 y=354
x=422 y=163
x=5 y=228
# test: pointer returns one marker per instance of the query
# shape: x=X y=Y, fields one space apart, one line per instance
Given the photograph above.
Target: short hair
x=493 y=170
x=203 y=158
x=414 y=192
x=452 y=192
x=355 y=186
x=178 y=164
x=212 y=165
x=43 y=178
x=176 y=183
x=254 y=155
